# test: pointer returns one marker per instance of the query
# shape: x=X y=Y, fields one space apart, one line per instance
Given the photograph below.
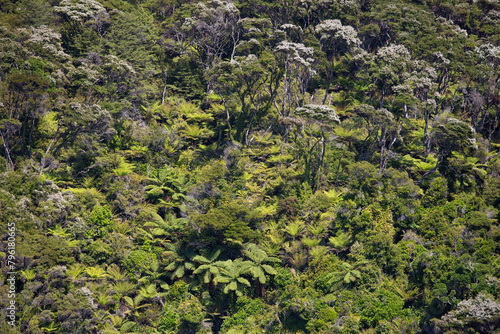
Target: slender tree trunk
x=322 y=158
x=249 y=127
x=431 y=171
x=164 y=85
x=228 y=121
x=329 y=79
x=382 y=97
x=7 y=153
x=31 y=140
x=426 y=135
x=338 y=169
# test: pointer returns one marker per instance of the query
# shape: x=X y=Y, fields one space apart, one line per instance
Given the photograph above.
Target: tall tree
x=212 y=32
x=336 y=39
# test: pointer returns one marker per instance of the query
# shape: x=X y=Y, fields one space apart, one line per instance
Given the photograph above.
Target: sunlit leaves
x=231 y=276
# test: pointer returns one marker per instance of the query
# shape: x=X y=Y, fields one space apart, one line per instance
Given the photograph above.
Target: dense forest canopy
x=301 y=166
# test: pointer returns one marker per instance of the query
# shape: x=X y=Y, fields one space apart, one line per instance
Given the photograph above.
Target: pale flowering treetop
x=297 y=52
x=292 y=31
x=480 y=308
x=347 y=3
x=421 y=75
x=46 y=38
x=333 y=32
x=363 y=57
x=87 y=115
x=452 y=26
x=246 y=60
x=42 y=34
x=403 y=89
x=298 y=62
x=329 y=26
x=441 y=58
x=86 y=74
x=118 y=64
x=493 y=17
x=488 y=52
x=313 y=2
x=211 y=29
x=394 y=53
x=79 y=10
x=318 y=112
x=289 y=26
x=214 y=8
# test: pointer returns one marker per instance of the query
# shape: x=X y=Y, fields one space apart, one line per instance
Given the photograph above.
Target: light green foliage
x=168 y=188
x=180 y=260
x=230 y=275
x=138 y=261
x=207 y=266
x=437 y=192
x=259 y=257
x=346 y=275
x=95 y=272
x=124 y=169
x=340 y=241
x=100 y=222
x=183 y=312
x=79 y=10
x=252 y=316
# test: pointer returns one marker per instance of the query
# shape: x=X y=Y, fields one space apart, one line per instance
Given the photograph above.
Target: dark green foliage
x=46 y=252
x=436 y=194
x=99 y=251
x=478 y=221
x=385 y=254
x=379 y=306
x=288 y=207
x=231 y=221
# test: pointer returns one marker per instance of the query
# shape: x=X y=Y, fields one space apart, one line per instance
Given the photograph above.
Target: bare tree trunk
x=248 y=129
x=431 y=171
x=164 y=85
x=426 y=135
x=228 y=121
x=7 y=154
x=42 y=162
x=329 y=79
x=338 y=170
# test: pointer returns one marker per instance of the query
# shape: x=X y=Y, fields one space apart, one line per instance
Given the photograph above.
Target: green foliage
x=164 y=162
x=46 y=251
x=230 y=273
x=168 y=187
x=251 y=315
x=138 y=261
x=180 y=261
x=230 y=221
x=99 y=251
x=100 y=222
x=478 y=221
x=379 y=306
x=437 y=193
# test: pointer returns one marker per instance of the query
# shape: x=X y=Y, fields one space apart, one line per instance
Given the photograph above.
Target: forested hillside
x=293 y=166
